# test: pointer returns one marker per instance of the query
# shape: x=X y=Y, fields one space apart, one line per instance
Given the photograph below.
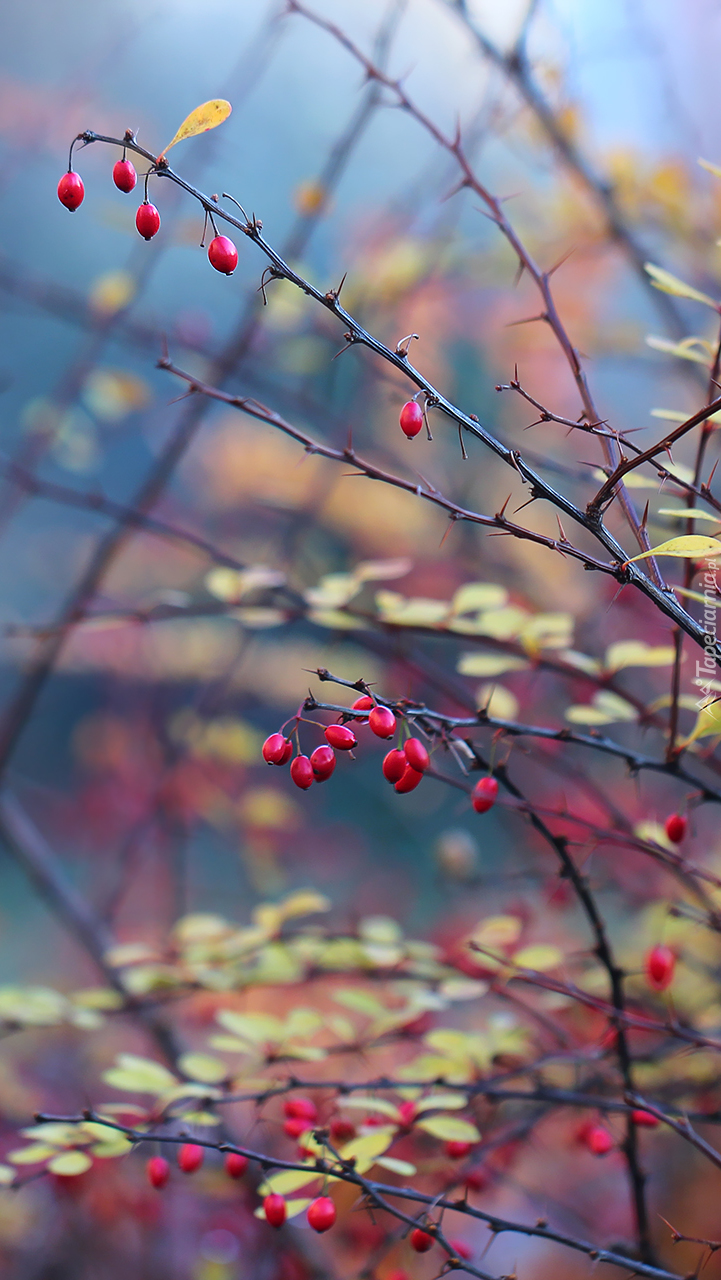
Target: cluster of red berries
x=222 y=253
x=321 y=1214
x=190 y=1159
x=403 y=767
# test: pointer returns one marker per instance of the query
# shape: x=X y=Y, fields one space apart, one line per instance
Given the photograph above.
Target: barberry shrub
x=320 y=1066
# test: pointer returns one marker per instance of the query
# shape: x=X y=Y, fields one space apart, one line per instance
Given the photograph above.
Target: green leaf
x=489 y=664
x=449 y=1128
x=36 y=1153
x=708 y=722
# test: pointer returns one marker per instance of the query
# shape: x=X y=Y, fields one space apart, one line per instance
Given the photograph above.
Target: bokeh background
x=139 y=759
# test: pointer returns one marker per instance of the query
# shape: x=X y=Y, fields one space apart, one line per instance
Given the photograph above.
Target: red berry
x=676 y=827
x=416 y=755
x=598 y=1140
x=341 y=737
x=342 y=1130
x=645 y=1119
x=223 y=255
x=124 y=175
x=295 y=1126
x=382 y=722
x=301 y=771
x=322 y=762
x=235 y=1164
x=458 y=1150
x=147 y=220
x=410 y=780
x=421 y=1241
x=407 y=1114
x=275 y=1210
x=476 y=1180
x=301 y=1108
x=660 y=964
x=363 y=704
x=190 y=1157
x=71 y=191
x=394 y=765
x=158 y=1171
x=321 y=1214
x=411 y=419
x=484 y=795
x=277 y=749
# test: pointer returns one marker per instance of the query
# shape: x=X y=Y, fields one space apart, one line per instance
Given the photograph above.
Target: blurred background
x=140 y=674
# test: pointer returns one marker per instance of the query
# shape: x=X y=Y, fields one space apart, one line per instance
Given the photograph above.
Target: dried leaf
x=207 y=116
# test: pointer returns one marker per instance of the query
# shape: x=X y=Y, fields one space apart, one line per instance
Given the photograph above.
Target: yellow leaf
x=636 y=653
x=606 y=708
x=442 y=1102
x=497 y=931
x=708 y=722
x=258 y=1028
x=70 y=1163
x=712 y=168
x=497 y=700
x=366 y=1149
x=110 y=1150
x=402 y=1167
x=203 y=1067
x=418 y=612
x=57 y=1133
x=287 y=1180
x=375 y=570
x=207 y=116
x=139 y=1075
x=708 y=601
x=685 y=350
x=362 y=1103
x=668 y=283
x=7 y=1175
x=539 y=957
x=359 y=1000
x=489 y=664
x=689 y=512
x=449 y=1128
x=34 y=1154
x=690 y=546
x=98 y=998
x=112 y=291
x=478 y=595
x=306 y=902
